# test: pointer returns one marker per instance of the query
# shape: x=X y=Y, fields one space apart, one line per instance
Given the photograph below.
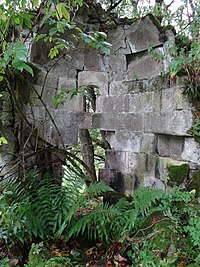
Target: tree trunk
x=88 y=153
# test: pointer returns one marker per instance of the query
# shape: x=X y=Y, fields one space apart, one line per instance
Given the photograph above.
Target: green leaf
x=61 y=11
x=28 y=68
x=3 y=141
x=27 y=23
x=17 y=64
x=21 y=51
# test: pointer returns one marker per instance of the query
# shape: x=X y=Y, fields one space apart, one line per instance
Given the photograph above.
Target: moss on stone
x=177 y=174
x=195 y=183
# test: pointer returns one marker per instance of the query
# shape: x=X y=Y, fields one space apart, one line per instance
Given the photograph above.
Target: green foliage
x=42 y=208
x=67 y=94
x=4 y=262
x=112 y=222
x=39 y=256
x=196 y=129
x=3 y=141
x=173 y=234
x=97 y=40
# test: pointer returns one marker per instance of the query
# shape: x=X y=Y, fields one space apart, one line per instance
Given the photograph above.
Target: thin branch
x=113 y=6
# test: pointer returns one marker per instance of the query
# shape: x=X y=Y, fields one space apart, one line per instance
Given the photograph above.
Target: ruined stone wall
x=145 y=118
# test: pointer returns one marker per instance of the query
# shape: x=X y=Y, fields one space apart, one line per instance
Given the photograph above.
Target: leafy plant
x=40 y=208
x=112 y=222
x=196 y=128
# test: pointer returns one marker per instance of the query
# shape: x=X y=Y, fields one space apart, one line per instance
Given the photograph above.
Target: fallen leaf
x=119 y=258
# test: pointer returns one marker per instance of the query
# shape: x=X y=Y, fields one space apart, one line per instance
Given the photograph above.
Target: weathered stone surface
x=118 y=62
x=174 y=123
x=137 y=166
x=170 y=146
x=118 y=88
x=126 y=141
x=93 y=61
x=99 y=79
x=46 y=80
x=104 y=121
x=131 y=122
x=131 y=164
x=144 y=67
x=141 y=103
x=173 y=99
x=191 y=151
x=116 y=104
x=163 y=170
x=153 y=182
x=142 y=34
x=142 y=114
x=148 y=144
x=67 y=128
x=118 y=35
x=74 y=103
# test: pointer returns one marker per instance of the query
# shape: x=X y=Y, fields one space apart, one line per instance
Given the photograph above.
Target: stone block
x=130 y=122
x=173 y=99
x=76 y=61
x=113 y=104
x=153 y=182
x=104 y=121
x=174 y=123
x=113 y=178
x=126 y=141
x=141 y=103
x=99 y=79
x=35 y=114
x=169 y=170
x=144 y=67
x=117 y=75
x=170 y=146
x=148 y=144
x=71 y=104
x=118 y=160
x=142 y=34
x=118 y=62
x=129 y=163
x=47 y=96
x=157 y=101
x=93 y=61
x=66 y=84
x=117 y=38
x=69 y=136
x=67 y=128
x=137 y=166
x=50 y=80
x=191 y=150
x=118 y=88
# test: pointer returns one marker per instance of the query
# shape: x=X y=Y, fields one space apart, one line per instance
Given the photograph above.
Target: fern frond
x=145 y=197
x=97 y=189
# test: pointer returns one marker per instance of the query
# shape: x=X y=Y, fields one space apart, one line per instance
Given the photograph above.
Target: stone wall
x=144 y=117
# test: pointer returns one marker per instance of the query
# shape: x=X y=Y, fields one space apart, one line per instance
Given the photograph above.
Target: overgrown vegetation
x=152 y=228
x=47 y=221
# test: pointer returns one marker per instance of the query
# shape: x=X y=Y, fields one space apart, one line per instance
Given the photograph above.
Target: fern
x=42 y=208
x=108 y=223
x=145 y=197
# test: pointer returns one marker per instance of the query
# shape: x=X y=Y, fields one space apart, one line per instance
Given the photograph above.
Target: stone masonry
x=145 y=117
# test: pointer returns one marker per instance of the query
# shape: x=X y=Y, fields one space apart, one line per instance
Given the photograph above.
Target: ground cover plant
x=45 y=223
